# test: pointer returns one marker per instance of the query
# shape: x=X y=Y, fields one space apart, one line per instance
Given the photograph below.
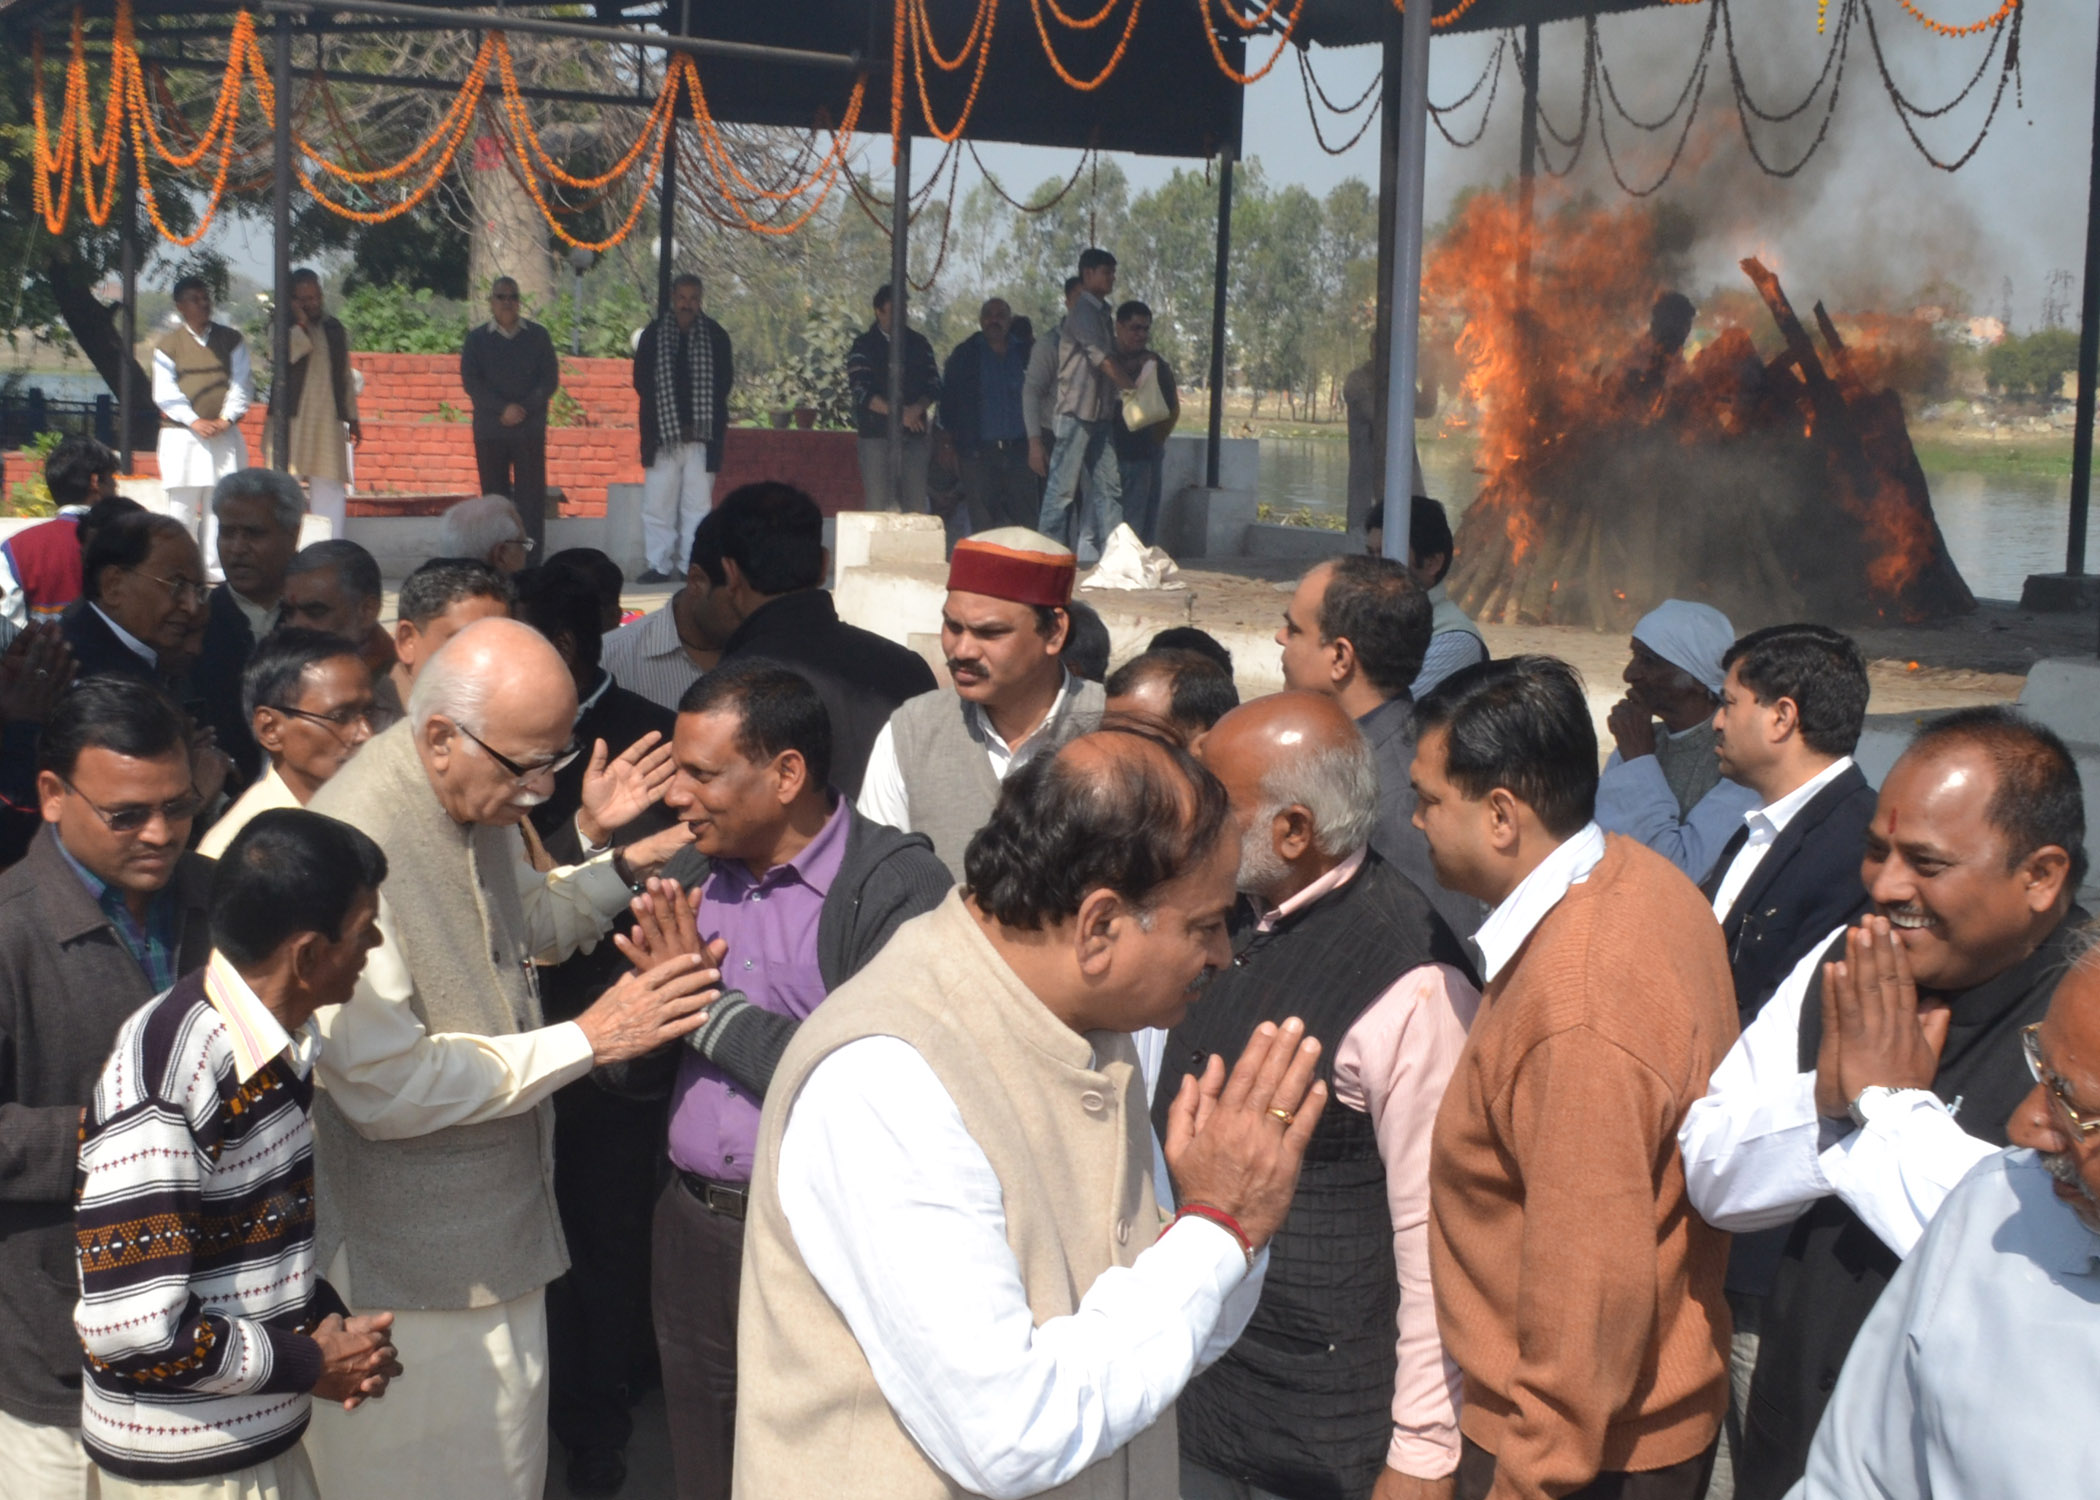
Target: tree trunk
x=95 y=328
x=509 y=236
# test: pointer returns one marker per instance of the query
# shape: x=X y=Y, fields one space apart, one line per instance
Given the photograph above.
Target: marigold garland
x=1114 y=59
x=1990 y=22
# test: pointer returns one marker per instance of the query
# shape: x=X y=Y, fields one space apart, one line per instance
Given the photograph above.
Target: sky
x=1867 y=222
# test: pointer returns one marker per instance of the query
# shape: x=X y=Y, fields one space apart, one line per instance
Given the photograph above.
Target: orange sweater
x=1576 y=1287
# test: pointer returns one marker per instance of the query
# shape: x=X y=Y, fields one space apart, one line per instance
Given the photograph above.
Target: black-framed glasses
x=339 y=721
x=522 y=773
x=133 y=816
x=178 y=589
x=2031 y=1044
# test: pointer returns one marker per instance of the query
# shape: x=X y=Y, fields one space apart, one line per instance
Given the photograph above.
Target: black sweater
x=497 y=372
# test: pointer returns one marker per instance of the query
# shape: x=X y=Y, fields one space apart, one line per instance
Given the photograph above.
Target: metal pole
x=1528 y=155
x=1388 y=195
x=438 y=17
x=900 y=295
x=1413 y=154
x=1220 y=279
x=2088 y=356
x=667 y=214
x=128 y=313
x=281 y=218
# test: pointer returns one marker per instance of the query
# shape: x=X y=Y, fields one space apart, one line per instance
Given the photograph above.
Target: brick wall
x=409 y=450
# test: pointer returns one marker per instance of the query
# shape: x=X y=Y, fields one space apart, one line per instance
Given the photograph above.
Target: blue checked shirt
x=153 y=942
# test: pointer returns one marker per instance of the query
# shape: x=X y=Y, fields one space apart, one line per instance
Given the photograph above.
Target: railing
x=24 y=414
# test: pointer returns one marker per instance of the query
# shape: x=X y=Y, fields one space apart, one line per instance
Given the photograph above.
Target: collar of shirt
x=201 y=338
x=605 y=682
x=1333 y=880
x=2057 y=1238
x=816 y=866
x=260 y=617
x=1678 y=734
x=999 y=748
x=510 y=333
x=1510 y=923
x=152 y=941
x=1768 y=822
x=257 y=1037
x=131 y=642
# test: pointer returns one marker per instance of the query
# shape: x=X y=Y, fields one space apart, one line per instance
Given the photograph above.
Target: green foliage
x=2034 y=365
x=396 y=320
x=31 y=497
x=613 y=313
x=812 y=372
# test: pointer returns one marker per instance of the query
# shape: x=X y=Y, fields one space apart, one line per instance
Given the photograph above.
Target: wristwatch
x=1867 y=1101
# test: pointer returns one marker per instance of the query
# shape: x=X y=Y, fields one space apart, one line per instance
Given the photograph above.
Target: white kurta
x=320 y=448
x=186 y=460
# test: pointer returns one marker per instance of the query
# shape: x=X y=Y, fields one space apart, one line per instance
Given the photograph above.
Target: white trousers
x=677 y=492
x=191 y=505
x=330 y=498
x=288 y=1476
x=467 y=1418
x=43 y=1463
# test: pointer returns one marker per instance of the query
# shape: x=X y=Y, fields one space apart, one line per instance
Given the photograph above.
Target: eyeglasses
x=2031 y=1044
x=525 y=542
x=520 y=773
x=178 y=589
x=133 y=816
x=337 y=722
x=503 y=296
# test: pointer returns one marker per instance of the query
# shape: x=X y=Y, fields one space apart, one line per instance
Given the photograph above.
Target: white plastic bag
x=1144 y=403
x=1127 y=563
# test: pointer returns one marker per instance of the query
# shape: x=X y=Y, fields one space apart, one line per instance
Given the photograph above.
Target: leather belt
x=724 y=1198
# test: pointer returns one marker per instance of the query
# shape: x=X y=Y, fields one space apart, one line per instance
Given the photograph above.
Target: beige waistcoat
x=1062 y=1119
x=463 y=1217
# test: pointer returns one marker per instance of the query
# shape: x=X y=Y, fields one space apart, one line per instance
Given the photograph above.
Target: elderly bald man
x=434 y=1145
x=1331 y=932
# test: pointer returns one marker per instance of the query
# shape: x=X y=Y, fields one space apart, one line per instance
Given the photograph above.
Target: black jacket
x=214 y=693
x=962 y=387
x=496 y=371
x=861 y=677
x=67 y=982
x=1807 y=883
x=868 y=376
x=645 y=387
x=97 y=650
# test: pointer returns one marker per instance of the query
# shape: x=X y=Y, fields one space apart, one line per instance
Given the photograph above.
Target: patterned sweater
x=196 y=1237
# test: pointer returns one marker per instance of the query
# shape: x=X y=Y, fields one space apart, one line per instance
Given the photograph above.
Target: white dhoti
x=288 y=1476
x=43 y=1463
x=189 y=467
x=468 y=1417
x=330 y=498
x=677 y=492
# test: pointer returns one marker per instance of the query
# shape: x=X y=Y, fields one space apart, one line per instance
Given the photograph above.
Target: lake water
x=1999 y=527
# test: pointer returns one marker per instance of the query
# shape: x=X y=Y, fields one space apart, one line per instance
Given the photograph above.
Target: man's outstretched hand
x=1236 y=1143
x=644 y=1011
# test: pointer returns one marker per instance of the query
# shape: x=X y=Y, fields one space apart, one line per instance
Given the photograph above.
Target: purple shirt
x=771 y=928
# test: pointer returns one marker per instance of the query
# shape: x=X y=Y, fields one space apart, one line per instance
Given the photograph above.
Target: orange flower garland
x=1989 y=23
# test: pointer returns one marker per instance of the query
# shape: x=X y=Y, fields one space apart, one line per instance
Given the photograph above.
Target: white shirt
x=1766 y=824
x=1506 y=927
x=882 y=795
x=167 y=395
x=1974 y=1376
x=1634 y=798
x=132 y=643
x=1757 y=1155
x=395 y=1079
x=899 y=1217
x=647 y=657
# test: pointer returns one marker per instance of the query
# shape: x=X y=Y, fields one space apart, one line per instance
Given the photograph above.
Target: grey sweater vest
x=949 y=787
x=463 y=1217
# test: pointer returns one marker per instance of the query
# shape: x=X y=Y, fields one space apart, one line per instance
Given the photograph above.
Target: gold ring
x=1282 y=1114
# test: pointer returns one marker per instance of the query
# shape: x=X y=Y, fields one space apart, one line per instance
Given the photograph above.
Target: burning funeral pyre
x=1776 y=488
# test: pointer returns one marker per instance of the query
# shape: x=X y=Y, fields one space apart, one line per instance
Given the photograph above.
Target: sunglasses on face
x=133 y=816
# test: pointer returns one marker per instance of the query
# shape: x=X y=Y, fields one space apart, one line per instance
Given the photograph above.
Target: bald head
x=496 y=692
x=1303 y=788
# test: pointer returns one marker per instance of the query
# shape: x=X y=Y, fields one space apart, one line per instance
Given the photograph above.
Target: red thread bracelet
x=1223 y=1220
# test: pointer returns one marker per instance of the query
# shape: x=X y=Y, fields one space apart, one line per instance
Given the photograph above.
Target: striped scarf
x=676 y=426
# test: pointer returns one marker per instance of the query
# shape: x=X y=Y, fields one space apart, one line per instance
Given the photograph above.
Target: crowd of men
x=1026 y=432
x=1055 y=1080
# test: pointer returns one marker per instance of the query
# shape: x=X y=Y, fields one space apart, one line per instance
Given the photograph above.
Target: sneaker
x=597 y=1470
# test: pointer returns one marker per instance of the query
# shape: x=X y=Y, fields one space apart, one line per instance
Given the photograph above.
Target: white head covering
x=1692 y=636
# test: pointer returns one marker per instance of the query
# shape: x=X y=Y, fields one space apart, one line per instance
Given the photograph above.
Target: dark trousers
x=1685 y=1481
x=513 y=461
x=606 y=1151
x=698 y=1259
x=998 y=485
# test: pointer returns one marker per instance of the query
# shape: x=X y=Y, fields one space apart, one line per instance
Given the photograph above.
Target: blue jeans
x=1141 y=496
x=1083 y=448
